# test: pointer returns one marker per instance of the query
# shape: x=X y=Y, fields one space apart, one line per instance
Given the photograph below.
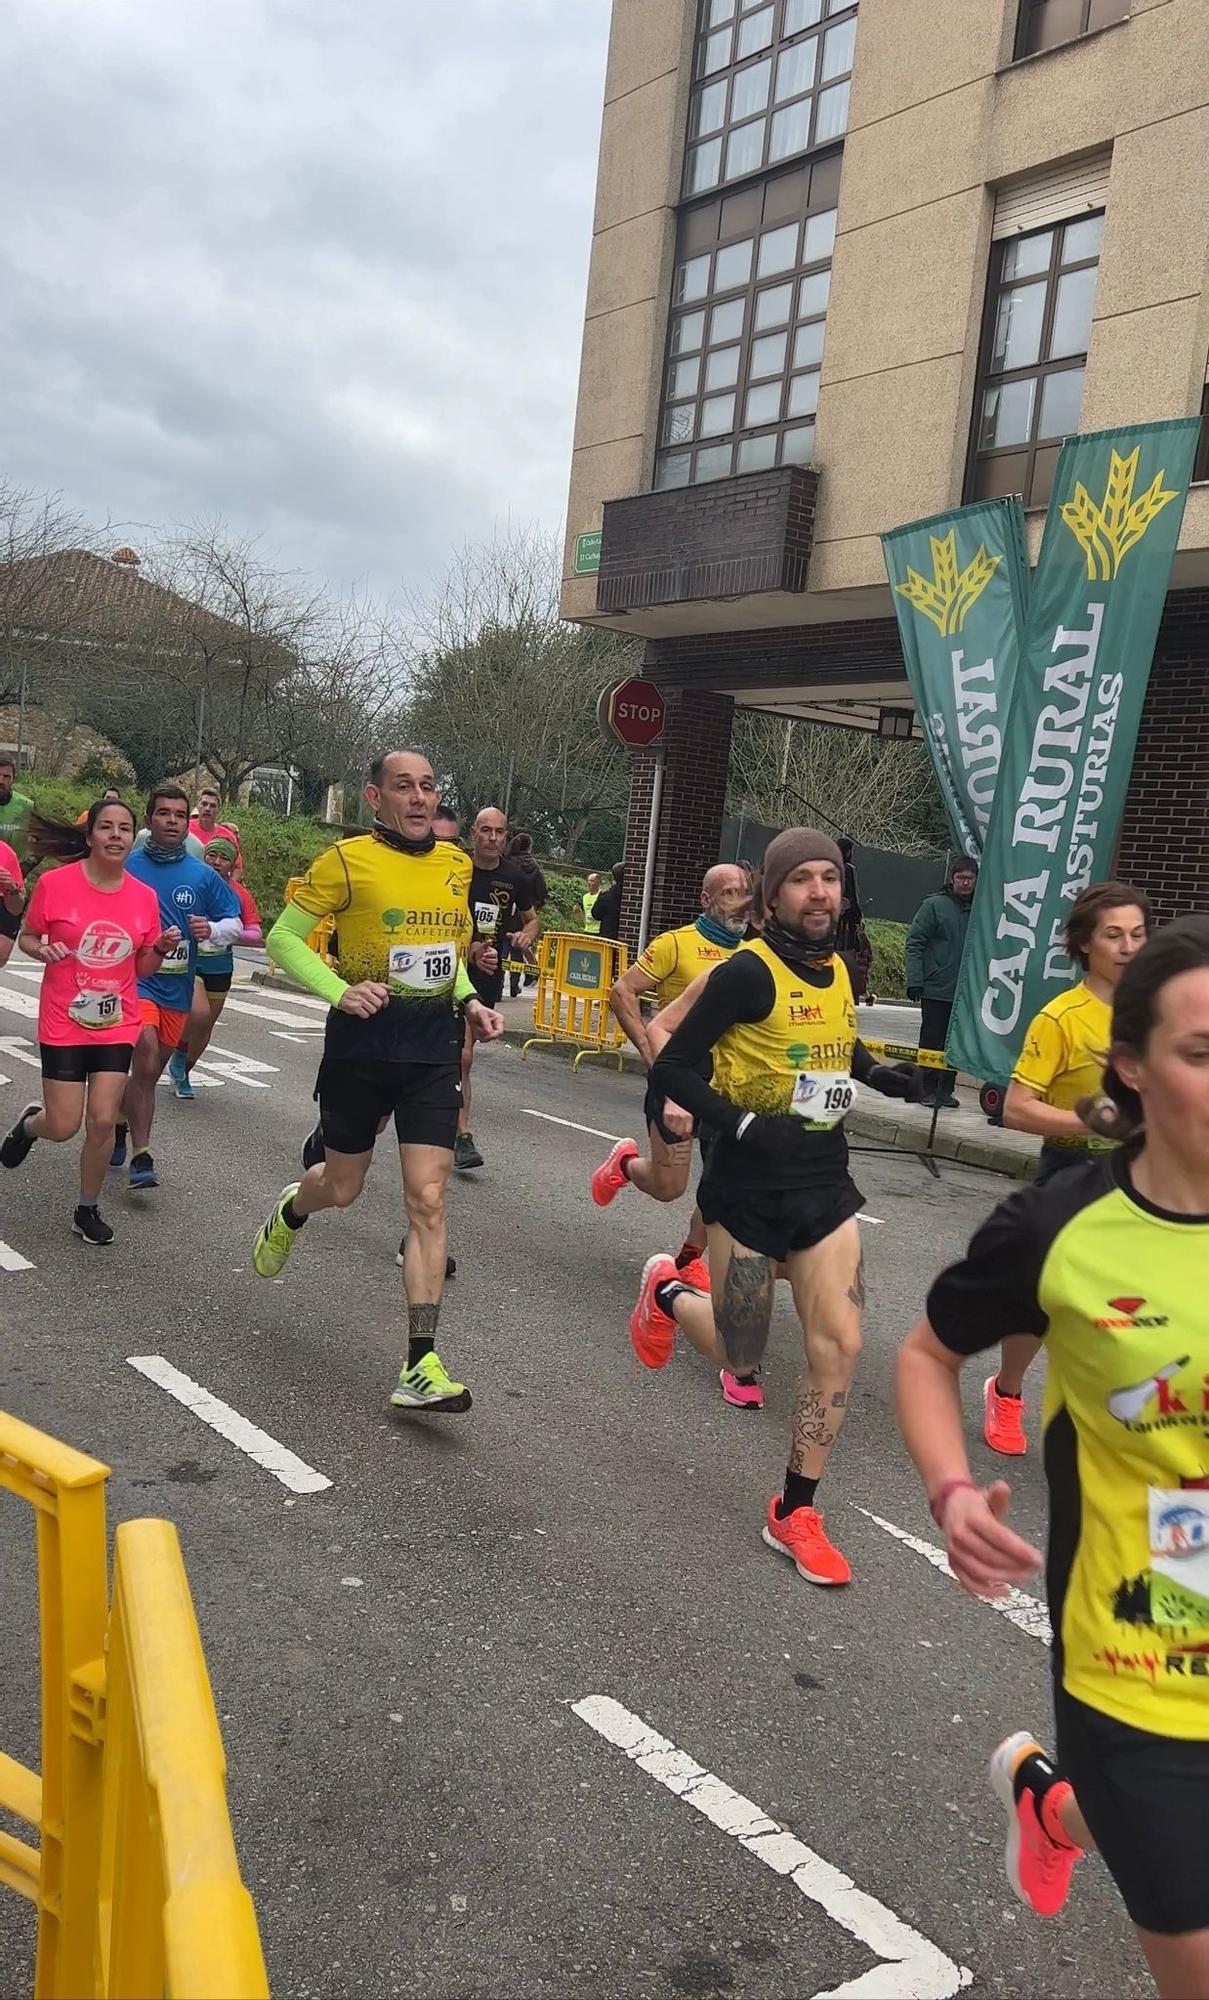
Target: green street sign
x=587 y=553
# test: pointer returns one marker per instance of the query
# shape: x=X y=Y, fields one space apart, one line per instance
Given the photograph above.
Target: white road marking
x=262 y=1013
x=18 y=1003
x=1028 y=1614
x=307 y=1035
x=10 y=1259
x=30 y=971
x=909 y=1966
x=19 y=1049
x=231 y=1067
x=862 y=1217
x=294 y=999
x=591 y=1130
x=292 y=1471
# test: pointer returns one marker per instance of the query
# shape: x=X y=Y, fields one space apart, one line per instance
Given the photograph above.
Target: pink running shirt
x=91 y=996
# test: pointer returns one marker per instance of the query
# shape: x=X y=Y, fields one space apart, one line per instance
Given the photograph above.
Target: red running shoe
x=695 y=1274
x=610 y=1176
x=1038 y=1867
x=743 y=1395
x=652 y=1331
x=1003 y=1421
x=801 y=1537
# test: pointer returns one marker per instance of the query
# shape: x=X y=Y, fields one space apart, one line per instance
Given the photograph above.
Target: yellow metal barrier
x=321 y=937
x=136 y=1879
x=575 y=975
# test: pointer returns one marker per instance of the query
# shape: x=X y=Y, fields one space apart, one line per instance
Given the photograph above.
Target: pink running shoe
x=1038 y=1867
x=744 y=1395
x=610 y=1176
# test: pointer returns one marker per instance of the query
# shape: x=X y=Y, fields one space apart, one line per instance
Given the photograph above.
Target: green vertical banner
x=960 y=585
x=1097 y=597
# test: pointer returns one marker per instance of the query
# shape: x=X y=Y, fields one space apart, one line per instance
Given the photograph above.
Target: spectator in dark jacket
x=519 y=852
x=607 y=907
x=935 y=943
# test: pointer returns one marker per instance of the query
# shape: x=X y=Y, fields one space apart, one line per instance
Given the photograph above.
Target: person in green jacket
x=935 y=943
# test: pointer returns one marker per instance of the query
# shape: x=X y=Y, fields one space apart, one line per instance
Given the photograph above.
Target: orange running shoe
x=1038 y=1867
x=652 y=1331
x=1003 y=1423
x=800 y=1535
x=610 y=1176
x=695 y=1274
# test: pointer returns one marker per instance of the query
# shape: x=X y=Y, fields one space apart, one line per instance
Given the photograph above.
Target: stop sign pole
x=633 y=712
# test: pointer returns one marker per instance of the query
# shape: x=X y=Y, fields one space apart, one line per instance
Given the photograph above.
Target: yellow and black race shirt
x=783 y=1040
x=1118 y=1290
x=1064 y=1054
x=674 y=959
x=403 y=919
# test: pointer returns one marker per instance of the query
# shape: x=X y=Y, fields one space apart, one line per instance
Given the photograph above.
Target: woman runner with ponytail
x=96 y=930
x=1109 y=1265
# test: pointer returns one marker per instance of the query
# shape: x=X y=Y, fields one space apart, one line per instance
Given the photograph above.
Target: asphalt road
x=429 y=1673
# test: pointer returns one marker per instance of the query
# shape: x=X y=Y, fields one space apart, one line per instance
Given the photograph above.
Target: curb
x=866 y=1123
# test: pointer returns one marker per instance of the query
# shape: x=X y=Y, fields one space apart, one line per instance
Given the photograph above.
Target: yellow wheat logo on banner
x=950 y=594
x=1106 y=534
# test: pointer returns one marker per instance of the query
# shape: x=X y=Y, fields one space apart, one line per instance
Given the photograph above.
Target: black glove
x=915 y=993
x=772 y=1134
x=897 y=1080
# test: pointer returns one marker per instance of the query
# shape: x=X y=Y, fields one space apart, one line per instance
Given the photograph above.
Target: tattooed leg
x=829 y=1291
x=744 y=1307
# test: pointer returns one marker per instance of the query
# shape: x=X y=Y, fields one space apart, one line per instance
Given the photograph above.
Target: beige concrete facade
x=940 y=118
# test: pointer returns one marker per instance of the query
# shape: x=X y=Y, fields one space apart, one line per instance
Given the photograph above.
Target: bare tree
x=881 y=793
x=34 y=529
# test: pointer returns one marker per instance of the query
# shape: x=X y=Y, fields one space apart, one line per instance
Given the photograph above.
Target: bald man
x=505 y=925
x=669 y=964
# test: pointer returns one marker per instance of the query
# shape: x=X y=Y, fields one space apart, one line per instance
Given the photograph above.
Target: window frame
x=825 y=169
x=833 y=13
x=1039 y=371
x=1028 y=11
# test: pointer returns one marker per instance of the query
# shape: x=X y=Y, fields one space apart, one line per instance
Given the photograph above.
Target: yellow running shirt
x=1064 y=1054
x=403 y=919
x=1117 y=1289
x=674 y=960
x=798 y=1058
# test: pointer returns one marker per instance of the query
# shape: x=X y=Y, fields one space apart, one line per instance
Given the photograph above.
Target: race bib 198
x=90 y=1009
x=422 y=968
x=822 y=1097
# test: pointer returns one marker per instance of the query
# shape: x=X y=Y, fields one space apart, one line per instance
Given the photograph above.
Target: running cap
x=222 y=846
x=789 y=850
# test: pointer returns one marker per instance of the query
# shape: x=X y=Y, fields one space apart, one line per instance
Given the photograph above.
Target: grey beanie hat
x=789 y=850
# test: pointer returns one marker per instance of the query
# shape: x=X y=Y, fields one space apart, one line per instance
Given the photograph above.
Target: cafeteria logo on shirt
x=103 y=945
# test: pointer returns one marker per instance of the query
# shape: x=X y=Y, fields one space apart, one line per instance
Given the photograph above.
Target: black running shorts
x=779 y=1221
x=355 y=1094
x=1146 y=1802
x=652 y=1112
x=215 y=982
x=77 y=1061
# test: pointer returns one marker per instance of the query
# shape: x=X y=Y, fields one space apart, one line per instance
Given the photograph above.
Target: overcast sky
x=314 y=265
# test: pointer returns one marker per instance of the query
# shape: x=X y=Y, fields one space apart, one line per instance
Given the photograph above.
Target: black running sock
x=87 y=1208
x=289 y=1215
x=417 y=1348
x=688 y=1253
x=119 y=1132
x=799 y=1492
x=1009 y=1395
x=142 y=1154
x=748 y=1381
x=669 y=1291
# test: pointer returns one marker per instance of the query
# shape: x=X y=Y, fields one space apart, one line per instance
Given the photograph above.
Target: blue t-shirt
x=184 y=888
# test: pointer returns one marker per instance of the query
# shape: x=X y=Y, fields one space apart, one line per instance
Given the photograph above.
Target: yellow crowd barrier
x=575 y=974
x=135 y=1877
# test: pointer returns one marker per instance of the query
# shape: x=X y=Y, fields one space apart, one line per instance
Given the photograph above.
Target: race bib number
x=1179 y=1555
x=822 y=1097
x=96 y=1010
x=422 y=968
x=208 y=949
x=486 y=917
x=176 y=963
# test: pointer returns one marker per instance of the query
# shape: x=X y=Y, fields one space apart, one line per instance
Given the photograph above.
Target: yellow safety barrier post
x=136 y=1879
x=575 y=976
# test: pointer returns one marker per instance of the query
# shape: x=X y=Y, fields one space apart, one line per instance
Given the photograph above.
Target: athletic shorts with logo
x=356 y=1093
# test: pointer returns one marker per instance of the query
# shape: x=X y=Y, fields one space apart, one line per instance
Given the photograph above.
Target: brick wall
x=696 y=759
x=1164 y=846
x=728 y=538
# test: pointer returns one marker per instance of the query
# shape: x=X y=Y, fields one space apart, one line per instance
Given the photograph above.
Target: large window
x=1034 y=355
x=1046 y=24
x=749 y=300
x=772 y=80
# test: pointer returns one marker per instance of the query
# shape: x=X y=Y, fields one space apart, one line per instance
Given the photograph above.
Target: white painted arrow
x=21 y=1051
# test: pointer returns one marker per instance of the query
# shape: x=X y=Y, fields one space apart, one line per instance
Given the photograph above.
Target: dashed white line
x=1028 y=1614
x=909 y=1966
x=263 y=1013
x=591 y=1130
x=862 y=1217
x=247 y=1437
x=10 y=1259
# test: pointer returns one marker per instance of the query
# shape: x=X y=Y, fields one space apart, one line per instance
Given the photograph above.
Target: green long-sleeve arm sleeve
x=287 y=946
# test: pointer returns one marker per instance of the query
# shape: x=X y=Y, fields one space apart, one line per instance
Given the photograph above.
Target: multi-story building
x=852 y=264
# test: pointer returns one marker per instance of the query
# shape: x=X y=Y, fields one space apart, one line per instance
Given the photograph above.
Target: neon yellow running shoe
x=275 y=1241
x=428 y=1387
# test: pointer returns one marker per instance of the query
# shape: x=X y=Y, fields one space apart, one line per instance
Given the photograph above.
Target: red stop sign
x=635 y=712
